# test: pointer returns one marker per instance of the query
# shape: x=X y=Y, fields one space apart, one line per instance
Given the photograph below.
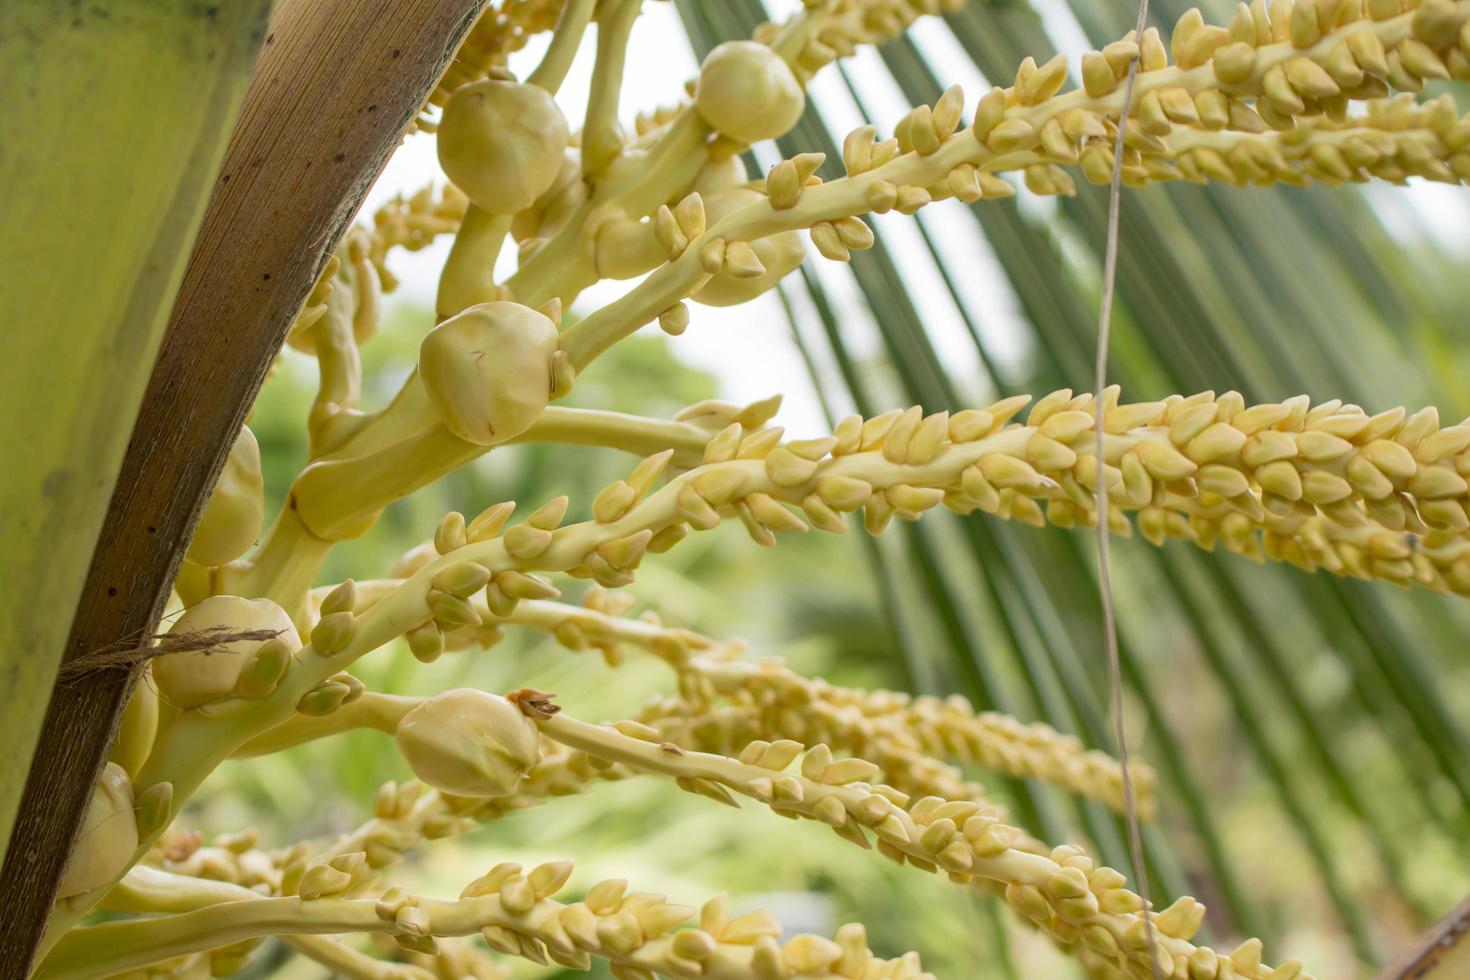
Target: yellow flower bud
x=469 y=743
x=235 y=513
x=197 y=677
x=779 y=254
x=134 y=739
x=550 y=211
x=502 y=143
x=718 y=176
x=747 y=92
x=488 y=370
x=108 y=837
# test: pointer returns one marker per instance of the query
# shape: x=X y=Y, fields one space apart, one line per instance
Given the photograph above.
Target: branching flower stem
x=1069 y=901
x=147 y=890
x=514 y=913
x=557 y=60
x=353 y=489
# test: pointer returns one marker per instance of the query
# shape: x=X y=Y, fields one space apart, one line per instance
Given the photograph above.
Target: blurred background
x=1309 y=732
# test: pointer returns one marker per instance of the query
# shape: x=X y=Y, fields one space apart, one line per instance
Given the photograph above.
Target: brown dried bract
x=536 y=704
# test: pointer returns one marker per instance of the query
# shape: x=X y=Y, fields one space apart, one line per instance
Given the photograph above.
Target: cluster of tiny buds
x=413 y=223
x=1262 y=100
x=501 y=30
x=848 y=23
x=1382 y=496
x=1274 y=68
x=452 y=587
x=724 y=728
x=1063 y=891
x=637 y=932
x=233 y=858
x=902 y=733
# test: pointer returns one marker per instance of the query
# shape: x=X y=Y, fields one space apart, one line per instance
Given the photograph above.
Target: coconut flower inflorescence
x=1387 y=496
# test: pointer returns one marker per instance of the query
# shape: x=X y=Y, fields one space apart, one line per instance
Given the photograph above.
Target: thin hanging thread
x=1104 y=581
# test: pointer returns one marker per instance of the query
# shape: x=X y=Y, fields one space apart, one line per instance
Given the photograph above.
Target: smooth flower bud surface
x=138 y=727
x=235 y=512
x=108 y=837
x=502 y=143
x=469 y=743
x=488 y=370
x=714 y=176
x=198 y=677
x=747 y=92
x=550 y=211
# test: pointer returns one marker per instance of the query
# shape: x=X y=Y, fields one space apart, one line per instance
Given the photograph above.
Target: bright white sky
x=749 y=347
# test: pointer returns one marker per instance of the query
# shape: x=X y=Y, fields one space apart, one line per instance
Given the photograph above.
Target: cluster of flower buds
x=839 y=27
x=1381 y=496
x=903 y=734
x=1262 y=100
x=1395 y=139
x=639 y=934
x=1063 y=891
x=413 y=223
x=503 y=29
x=236 y=859
x=725 y=728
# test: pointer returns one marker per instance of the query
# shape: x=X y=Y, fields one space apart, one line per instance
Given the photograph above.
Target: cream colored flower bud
x=191 y=679
x=469 y=743
x=747 y=92
x=108 y=837
x=550 y=211
x=488 y=370
x=235 y=512
x=501 y=143
x=139 y=725
x=779 y=253
x=714 y=177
